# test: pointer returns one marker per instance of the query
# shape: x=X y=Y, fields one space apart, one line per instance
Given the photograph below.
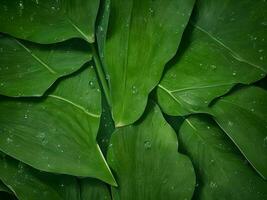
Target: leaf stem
x=101 y=74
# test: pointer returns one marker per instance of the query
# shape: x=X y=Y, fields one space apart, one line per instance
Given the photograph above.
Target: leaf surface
x=28 y=69
x=58 y=132
x=92 y=189
x=222 y=171
x=49 y=21
x=142 y=37
x=225 y=44
x=30 y=184
x=243 y=116
x=146 y=163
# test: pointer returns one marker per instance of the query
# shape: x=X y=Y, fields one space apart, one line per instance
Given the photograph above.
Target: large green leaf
x=225 y=44
x=243 y=116
x=58 y=132
x=28 y=69
x=49 y=21
x=145 y=160
x=30 y=184
x=92 y=189
x=221 y=170
x=141 y=38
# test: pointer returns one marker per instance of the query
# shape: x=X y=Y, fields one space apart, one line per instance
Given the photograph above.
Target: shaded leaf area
x=7 y=196
x=49 y=21
x=243 y=116
x=225 y=44
x=92 y=189
x=4 y=188
x=142 y=37
x=222 y=171
x=28 y=69
x=59 y=128
x=30 y=184
x=106 y=127
x=146 y=163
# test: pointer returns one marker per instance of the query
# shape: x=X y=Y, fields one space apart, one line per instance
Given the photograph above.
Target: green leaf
x=92 y=189
x=4 y=188
x=30 y=184
x=221 y=169
x=145 y=160
x=28 y=69
x=49 y=21
x=225 y=44
x=142 y=37
x=243 y=116
x=58 y=132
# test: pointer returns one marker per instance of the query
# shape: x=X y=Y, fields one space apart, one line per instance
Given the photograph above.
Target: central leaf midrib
x=39 y=60
x=75 y=105
x=235 y=55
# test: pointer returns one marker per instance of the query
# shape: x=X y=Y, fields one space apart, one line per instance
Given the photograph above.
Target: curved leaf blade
x=142 y=36
x=49 y=21
x=60 y=128
x=145 y=159
x=221 y=169
x=243 y=117
x=29 y=69
x=222 y=47
x=30 y=184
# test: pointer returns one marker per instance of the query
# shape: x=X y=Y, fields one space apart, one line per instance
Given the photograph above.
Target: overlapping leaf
x=225 y=44
x=221 y=170
x=58 y=132
x=243 y=116
x=30 y=184
x=49 y=21
x=28 y=69
x=145 y=160
x=141 y=38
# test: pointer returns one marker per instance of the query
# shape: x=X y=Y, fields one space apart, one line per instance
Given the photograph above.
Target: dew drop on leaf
x=147 y=144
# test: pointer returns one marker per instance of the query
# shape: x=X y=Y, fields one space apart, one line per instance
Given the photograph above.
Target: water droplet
x=21 y=6
x=213 y=184
x=134 y=90
x=147 y=144
x=101 y=28
x=92 y=84
x=234 y=73
x=37 y=2
x=62 y=185
x=2 y=84
x=230 y=123
x=25 y=116
x=261 y=58
x=252 y=109
x=213 y=67
x=260 y=50
x=208 y=127
x=172 y=188
x=9 y=140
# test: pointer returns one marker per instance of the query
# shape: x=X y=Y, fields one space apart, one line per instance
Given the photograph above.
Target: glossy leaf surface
x=142 y=37
x=28 y=69
x=222 y=171
x=57 y=133
x=146 y=163
x=49 y=21
x=243 y=116
x=30 y=184
x=225 y=44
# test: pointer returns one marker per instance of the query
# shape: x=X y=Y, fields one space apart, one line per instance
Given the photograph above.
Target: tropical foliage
x=133 y=100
